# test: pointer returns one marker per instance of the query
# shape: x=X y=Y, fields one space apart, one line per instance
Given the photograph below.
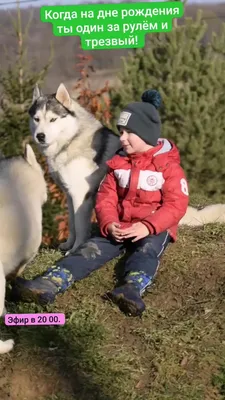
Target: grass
x=175 y=351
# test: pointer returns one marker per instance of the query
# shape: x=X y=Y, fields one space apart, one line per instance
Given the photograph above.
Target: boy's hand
x=137 y=230
x=115 y=232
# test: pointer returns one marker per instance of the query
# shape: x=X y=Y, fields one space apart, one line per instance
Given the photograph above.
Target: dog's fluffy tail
x=214 y=213
x=7 y=345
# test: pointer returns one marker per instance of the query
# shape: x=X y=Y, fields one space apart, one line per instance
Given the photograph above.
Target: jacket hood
x=168 y=150
x=165 y=152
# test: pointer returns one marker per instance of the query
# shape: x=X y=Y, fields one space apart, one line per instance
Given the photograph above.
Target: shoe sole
x=127 y=306
x=26 y=295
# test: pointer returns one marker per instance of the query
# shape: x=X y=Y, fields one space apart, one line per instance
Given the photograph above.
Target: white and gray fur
x=211 y=214
x=23 y=192
x=76 y=146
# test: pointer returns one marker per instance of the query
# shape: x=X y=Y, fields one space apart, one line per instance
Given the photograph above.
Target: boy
x=138 y=207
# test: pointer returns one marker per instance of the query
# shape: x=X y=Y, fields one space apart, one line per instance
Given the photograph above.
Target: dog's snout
x=41 y=137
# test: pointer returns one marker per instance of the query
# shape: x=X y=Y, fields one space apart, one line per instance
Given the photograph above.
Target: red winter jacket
x=150 y=187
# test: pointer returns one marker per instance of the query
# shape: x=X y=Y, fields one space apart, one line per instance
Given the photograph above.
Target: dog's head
x=35 y=174
x=52 y=118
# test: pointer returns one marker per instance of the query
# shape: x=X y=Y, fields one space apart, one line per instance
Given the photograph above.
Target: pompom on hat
x=142 y=118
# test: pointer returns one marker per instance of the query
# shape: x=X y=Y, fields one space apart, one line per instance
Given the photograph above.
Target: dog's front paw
x=90 y=250
x=66 y=246
x=6 y=346
x=71 y=251
x=4 y=312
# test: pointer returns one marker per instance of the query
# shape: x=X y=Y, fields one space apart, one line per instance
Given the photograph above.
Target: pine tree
x=17 y=83
x=190 y=77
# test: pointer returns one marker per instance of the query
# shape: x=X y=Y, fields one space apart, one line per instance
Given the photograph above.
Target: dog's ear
x=37 y=92
x=62 y=95
x=29 y=156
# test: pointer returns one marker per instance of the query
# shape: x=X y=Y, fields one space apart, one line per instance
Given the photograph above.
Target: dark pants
x=144 y=255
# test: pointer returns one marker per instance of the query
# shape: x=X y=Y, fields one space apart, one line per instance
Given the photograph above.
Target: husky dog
x=76 y=146
x=23 y=192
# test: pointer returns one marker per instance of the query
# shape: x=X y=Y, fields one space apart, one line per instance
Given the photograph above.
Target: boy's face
x=132 y=143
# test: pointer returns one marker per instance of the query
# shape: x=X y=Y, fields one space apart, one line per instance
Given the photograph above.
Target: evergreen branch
x=6 y=104
x=27 y=28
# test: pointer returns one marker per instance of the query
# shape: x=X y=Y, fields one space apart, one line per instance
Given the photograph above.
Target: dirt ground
x=172 y=352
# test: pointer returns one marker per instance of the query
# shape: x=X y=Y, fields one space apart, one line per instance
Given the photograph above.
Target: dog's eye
x=53 y=119
x=36 y=119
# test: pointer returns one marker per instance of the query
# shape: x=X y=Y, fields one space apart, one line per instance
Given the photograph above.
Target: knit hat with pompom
x=142 y=118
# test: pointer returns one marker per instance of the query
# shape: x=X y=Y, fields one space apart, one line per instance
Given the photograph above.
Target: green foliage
x=17 y=83
x=189 y=75
x=219 y=381
x=14 y=121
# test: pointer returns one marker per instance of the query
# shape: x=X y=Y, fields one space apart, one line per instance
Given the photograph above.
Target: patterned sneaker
x=43 y=289
x=140 y=280
x=128 y=297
